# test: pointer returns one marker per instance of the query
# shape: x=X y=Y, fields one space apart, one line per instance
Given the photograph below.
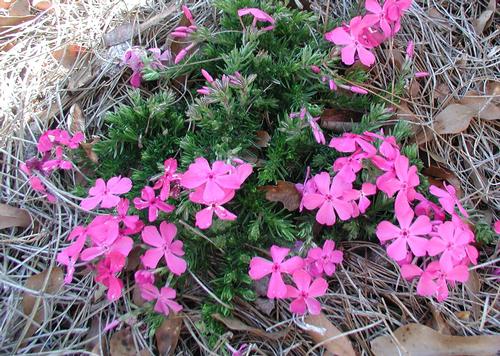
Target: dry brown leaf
x=134 y=259
x=263 y=139
x=237 y=325
x=76 y=120
x=455 y=118
x=120 y=34
x=442 y=93
x=96 y=344
x=13 y=217
x=438 y=323
x=396 y=55
x=483 y=107
x=7 y=22
x=434 y=171
x=416 y=339
x=463 y=315
x=122 y=343
x=473 y=287
x=339 y=346
x=20 y=8
x=485 y=19
x=300 y=4
x=167 y=335
x=42 y=5
x=284 y=192
x=89 y=151
x=330 y=118
x=415 y=89
x=69 y=55
x=55 y=281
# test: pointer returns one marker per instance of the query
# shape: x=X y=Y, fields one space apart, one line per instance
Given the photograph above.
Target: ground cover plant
x=234 y=173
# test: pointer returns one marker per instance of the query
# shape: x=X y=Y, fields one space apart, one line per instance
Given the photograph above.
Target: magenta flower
x=204 y=217
x=448 y=199
x=106 y=274
x=260 y=267
x=133 y=60
x=149 y=200
x=388 y=16
x=324 y=259
x=426 y=207
x=214 y=181
x=106 y=194
x=350 y=142
x=433 y=281
x=330 y=198
x=403 y=181
x=130 y=221
x=496 y=227
x=347 y=167
x=164 y=246
x=106 y=245
x=164 y=298
x=312 y=121
x=69 y=255
x=367 y=189
x=240 y=352
x=356 y=39
x=144 y=277
x=258 y=16
x=421 y=74
x=58 y=163
x=169 y=176
x=451 y=243
x=305 y=293
x=407 y=234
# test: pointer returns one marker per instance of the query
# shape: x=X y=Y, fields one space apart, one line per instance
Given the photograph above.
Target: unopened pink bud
x=358 y=90
x=421 y=74
x=316 y=69
x=410 y=49
x=332 y=85
x=207 y=76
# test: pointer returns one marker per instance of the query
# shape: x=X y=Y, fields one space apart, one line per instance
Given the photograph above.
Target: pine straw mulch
x=367 y=296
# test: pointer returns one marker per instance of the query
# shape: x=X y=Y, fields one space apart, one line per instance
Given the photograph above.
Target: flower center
x=276 y=267
x=303 y=294
x=405 y=233
x=328 y=197
x=210 y=176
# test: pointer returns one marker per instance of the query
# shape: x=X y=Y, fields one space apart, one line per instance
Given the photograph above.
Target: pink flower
x=152 y=202
x=421 y=74
x=134 y=61
x=317 y=133
x=106 y=194
x=69 y=256
x=167 y=178
x=165 y=246
x=305 y=293
x=407 y=234
x=215 y=180
x=105 y=245
x=496 y=227
x=426 y=207
x=433 y=281
x=204 y=217
x=387 y=17
x=240 y=352
x=183 y=53
x=367 y=189
x=410 y=271
x=356 y=39
x=451 y=243
x=324 y=259
x=164 y=298
x=403 y=181
x=144 y=277
x=350 y=142
x=348 y=166
x=330 y=198
x=260 y=267
x=59 y=162
x=258 y=15
x=188 y=14
x=448 y=199
x=410 y=49
x=130 y=221
x=106 y=274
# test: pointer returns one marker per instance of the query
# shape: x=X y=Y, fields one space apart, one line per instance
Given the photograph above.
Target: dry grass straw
x=367 y=295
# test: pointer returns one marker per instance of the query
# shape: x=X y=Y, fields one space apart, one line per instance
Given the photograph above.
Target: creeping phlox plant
x=107 y=240
x=180 y=180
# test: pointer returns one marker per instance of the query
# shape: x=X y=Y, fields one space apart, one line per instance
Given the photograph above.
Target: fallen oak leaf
x=285 y=193
x=75 y=119
x=19 y=8
x=88 y=148
x=263 y=139
x=69 y=55
x=473 y=288
x=42 y=5
x=13 y=217
x=167 y=335
x=237 y=325
x=329 y=339
x=455 y=118
x=434 y=171
x=49 y=281
x=122 y=343
x=483 y=107
x=417 y=339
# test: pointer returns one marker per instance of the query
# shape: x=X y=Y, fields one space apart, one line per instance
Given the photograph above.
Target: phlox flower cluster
x=108 y=239
x=185 y=33
x=313 y=122
x=52 y=145
x=258 y=16
x=305 y=275
x=363 y=33
x=429 y=234
x=138 y=60
x=235 y=80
